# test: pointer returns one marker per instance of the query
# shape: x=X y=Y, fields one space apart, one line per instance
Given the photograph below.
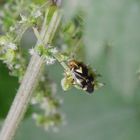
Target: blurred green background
x=112 y=38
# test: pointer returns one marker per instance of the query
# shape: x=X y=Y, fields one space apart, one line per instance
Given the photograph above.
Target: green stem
x=27 y=86
x=58 y=57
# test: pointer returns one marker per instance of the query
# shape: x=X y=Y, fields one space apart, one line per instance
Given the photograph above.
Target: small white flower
x=12 y=46
x=23 y=18
x=50 y=60
x=37 y=14
x=32 y=51
x=54 y=50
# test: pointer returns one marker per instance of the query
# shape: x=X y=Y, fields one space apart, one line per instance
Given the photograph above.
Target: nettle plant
x=56 y=41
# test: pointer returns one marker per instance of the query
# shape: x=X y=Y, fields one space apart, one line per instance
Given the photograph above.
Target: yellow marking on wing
x=79 y=70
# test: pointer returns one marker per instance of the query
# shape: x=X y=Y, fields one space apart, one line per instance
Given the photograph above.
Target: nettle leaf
x=112 y=39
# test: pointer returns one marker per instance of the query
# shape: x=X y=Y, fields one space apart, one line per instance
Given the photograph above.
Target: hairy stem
x=31 y=77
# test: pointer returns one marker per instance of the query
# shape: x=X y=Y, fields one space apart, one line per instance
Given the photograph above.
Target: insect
x=82 y=75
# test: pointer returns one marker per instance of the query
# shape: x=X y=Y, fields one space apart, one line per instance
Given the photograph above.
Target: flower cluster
x=15 y=23
x=10 y=55
x=47 y=53
x=48 y=104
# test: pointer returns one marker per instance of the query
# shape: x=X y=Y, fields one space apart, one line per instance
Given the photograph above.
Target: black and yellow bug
x=82 y=75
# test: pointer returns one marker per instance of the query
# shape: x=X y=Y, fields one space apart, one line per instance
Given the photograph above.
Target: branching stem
x=31 y=77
